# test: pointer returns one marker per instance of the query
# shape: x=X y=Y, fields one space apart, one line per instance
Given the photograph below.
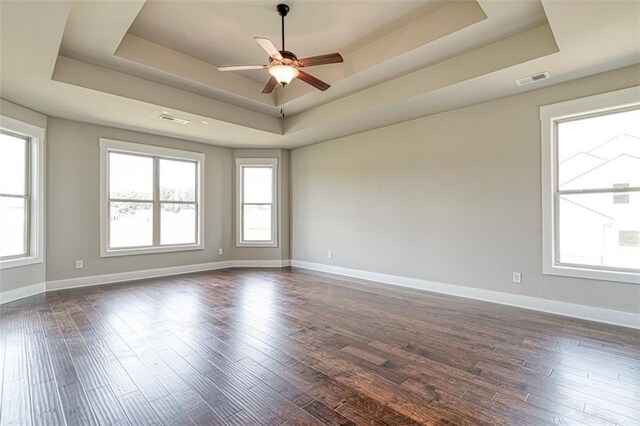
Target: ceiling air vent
x=532 y=79
x=167 y=117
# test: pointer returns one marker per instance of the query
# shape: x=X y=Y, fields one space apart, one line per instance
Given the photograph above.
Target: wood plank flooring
x=285 y=346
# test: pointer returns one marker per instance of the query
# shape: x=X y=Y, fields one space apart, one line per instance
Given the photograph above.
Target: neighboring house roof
x=621 y=144
x=594 y=214
x=585 y=161
x=578 y=164
x=621 y=169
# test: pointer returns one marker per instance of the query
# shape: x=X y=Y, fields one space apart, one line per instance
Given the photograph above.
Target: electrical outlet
x=329 y=254
x=79 y=264
x=220 y=251
x=517 y=278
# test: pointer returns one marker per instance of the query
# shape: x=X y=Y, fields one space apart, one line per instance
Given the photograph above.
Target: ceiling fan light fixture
x=283 y=65
x=283 y=73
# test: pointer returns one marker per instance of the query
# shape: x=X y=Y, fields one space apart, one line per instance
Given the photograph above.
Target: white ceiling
x=122 y=63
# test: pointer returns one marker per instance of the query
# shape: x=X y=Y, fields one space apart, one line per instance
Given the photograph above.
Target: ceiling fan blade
x=330 y=58
x=242 y=67
x=271 y=84
x=309 y=79
x=268 y=46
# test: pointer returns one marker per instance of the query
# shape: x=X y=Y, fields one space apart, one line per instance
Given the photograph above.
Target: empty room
x=366 y=212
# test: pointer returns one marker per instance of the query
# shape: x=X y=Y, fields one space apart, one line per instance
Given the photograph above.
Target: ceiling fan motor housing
x=288 y=58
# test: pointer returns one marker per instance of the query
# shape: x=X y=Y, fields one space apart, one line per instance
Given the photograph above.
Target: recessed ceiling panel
x=221 y=33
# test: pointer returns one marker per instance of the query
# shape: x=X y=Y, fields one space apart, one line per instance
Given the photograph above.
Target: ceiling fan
x=284 y=66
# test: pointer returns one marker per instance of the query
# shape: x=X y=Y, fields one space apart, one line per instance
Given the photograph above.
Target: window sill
x=21 y=261
x=592 y=274
x=150 y=250
x=257 y=244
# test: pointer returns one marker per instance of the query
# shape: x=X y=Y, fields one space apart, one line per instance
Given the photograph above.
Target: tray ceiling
x=122 y=63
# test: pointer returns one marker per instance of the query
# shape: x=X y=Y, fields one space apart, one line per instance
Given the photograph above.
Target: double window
x=151 y=199
x=256 y=219
x=591 y=187
x=21 y=193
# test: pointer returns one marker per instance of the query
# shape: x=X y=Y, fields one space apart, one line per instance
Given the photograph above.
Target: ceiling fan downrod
x=282 y=9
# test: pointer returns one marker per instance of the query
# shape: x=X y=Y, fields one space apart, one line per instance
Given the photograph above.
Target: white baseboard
x=161 y=272
x=22 y=292
x=625 y=319
x=260 y=263
x=591 y=313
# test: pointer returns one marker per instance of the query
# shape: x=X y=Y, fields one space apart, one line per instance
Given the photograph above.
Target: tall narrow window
x=592 y=213
x=256 y=217
x=21 y=201
x=153 y=200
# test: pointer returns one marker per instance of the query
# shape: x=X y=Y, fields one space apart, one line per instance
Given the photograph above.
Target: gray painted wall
x=13 y=278
x=73 y=203
x=73 y=207
x=453 y=198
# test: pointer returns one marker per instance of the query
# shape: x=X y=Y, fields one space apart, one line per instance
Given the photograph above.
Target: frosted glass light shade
x=283 y=73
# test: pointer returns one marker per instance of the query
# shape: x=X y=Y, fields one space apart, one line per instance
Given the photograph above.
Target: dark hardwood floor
x=244 y=347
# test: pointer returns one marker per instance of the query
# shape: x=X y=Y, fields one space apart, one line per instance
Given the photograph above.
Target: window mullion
x=129 y=200
x=242 y=204
x=27 y=199
x=27 y=227
x=598 y=191
x=191 y=203
x=13 y=196
x=196 y=199
x=156 y=201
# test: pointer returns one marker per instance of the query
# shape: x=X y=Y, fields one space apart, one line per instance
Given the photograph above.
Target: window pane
x=177 y=224
x=13 y=163
x=594 y=230
x=177 y=180
x=130 y=177
x=131 y=224
x=599 y=152
x=256 y=223
x=12 y=226
x=257 y=184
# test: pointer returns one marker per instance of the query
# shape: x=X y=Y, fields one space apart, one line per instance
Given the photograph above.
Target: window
x=621 y=198
x=591 y=187
x=21 y=193
x=152 y=199
x=256 y=182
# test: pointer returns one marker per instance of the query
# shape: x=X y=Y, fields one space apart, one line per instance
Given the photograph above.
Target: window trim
x=550 y=116
x=35 y=182
x=157 y=153
x=257 y=162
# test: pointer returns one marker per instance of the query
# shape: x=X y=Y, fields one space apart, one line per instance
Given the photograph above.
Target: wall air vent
x=532 y=79
x=167 y=117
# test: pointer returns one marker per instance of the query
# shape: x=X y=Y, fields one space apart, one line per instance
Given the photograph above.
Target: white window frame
x=256 y=162
x=550 y=116
x=111 y=145
x=35 y=222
